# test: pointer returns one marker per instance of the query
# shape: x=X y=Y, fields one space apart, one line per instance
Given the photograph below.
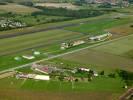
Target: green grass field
x=43 y=41
x=36 y=40
x=43 y=26
x=93 y=87
x=106 y=57
x=119 y=47
x=50 y=41
x=100 y=26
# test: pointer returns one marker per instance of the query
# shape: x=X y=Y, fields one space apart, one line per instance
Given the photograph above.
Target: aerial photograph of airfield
x=66 y=49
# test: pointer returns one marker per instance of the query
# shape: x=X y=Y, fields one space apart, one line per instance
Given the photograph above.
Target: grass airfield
x=104 y=57
x=49 y=41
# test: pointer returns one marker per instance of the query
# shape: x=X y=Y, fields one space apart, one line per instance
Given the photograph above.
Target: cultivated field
x=48 y=25
x=122 y=29
x=49 y=41
x=106 y=57
x=17 y=8
x=26 y=95
x=57 y=5
x=99 y=26
x=43 y=89
x=118 y=47
x=41 y=39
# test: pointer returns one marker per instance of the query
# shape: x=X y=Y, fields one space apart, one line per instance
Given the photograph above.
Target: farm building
x=64 y=46
x=95 y=74
x=43 y=68
x=42 y=77
x=36 y=53
x=33 y=76
x=75 y=43
x=100 y=37
x=6 y=23
x=71 y=44
x=84 y=69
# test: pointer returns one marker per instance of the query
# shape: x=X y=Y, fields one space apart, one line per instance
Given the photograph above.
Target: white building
x=42 y=77
x=75 y=43
x=100 y=37
x=64 y=46
x=34 y=76
x=36 y=53
x=84 y=69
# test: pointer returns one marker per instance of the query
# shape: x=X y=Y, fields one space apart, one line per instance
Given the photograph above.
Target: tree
x=9 y=1
x=89 y=79
x=27 y=3
x=126 y=75
x=76 y=80
x=102 y=72
x=112 y=75
x=38 y=20
x=131 y=25
x=130 y=1
x=91 y=73
x=83 y=1
x=78 y=3
x=105 y=5
x=3 y=3
x=82 y=13
x=61 y=77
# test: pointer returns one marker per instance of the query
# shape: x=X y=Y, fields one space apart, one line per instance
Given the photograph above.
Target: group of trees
x=79 y=2
x=105 y=5
x=68 y=13
x=7 y=14
x=130 y=1
x=3 y=3
x=27 y=3
x=126 y=76
x=8 y=1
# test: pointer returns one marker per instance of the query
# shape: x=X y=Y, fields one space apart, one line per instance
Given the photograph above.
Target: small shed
x=42 y=77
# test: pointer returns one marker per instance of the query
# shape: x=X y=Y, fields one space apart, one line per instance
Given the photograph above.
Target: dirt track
x=8 y=74
x=128 y=95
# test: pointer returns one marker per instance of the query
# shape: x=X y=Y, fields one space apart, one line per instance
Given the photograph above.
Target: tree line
x=83 y=13
x=126 y=76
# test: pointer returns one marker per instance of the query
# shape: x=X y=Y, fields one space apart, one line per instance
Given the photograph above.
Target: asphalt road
x=127 y=95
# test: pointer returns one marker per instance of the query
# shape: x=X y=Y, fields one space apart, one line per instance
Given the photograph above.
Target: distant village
x=6 y=24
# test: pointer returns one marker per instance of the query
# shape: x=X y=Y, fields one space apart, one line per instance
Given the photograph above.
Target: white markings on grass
x=23 y=82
